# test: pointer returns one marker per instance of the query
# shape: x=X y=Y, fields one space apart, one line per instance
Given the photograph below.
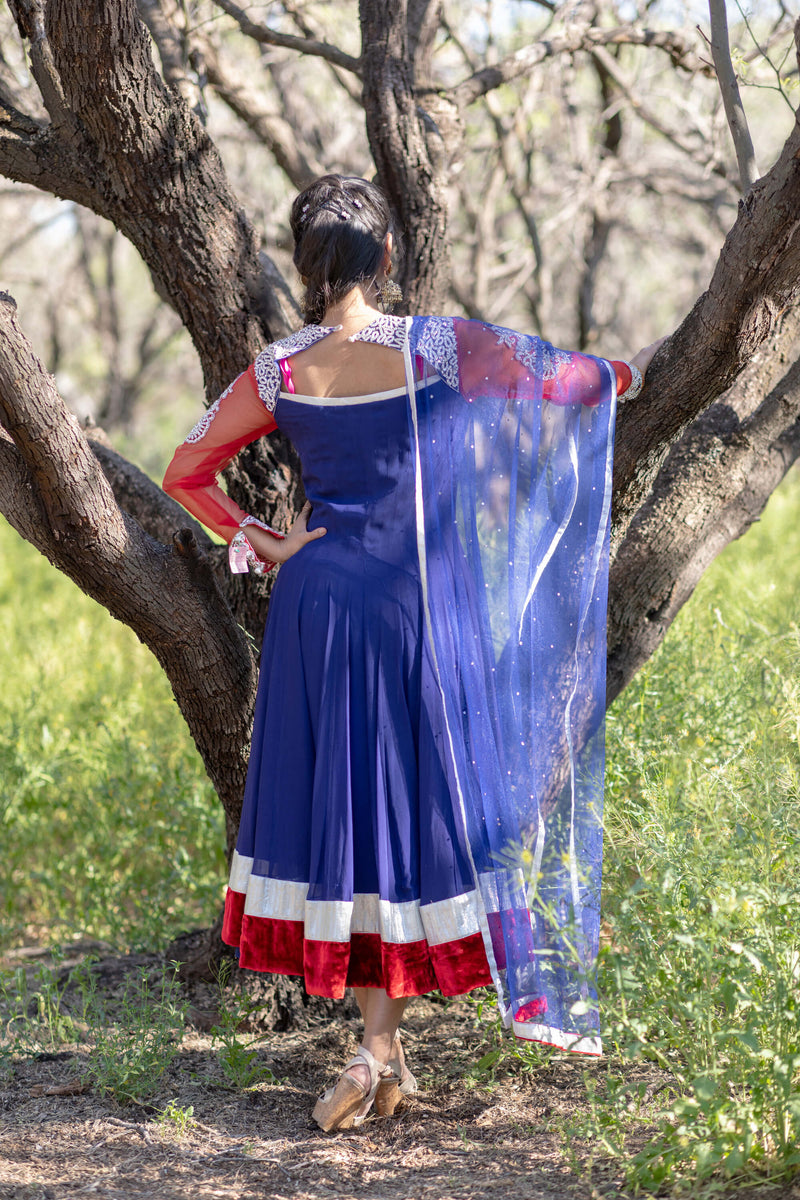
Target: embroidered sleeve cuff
x=255 y=521
x=241 y=555
x=635 y=385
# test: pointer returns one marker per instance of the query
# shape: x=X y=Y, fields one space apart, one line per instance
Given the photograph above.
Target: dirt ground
x=458 y=1138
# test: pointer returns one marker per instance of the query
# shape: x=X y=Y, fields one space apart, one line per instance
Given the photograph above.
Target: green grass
x=701 y=972
x=110 y=828
x=129 y=1040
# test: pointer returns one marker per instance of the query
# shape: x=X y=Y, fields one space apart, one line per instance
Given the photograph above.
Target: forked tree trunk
x=691 y=473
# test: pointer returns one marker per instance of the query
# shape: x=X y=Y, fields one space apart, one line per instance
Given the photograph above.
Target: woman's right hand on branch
x=645 y=356
x=277 y=550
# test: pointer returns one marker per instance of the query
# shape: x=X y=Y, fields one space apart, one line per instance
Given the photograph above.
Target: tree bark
x=411 y=152
x=129 y=148
x=159 y=178
x=712 y=486
x=54 y=493
x=756 y=279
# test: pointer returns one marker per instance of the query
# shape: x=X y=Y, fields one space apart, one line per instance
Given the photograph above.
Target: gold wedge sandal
x=393 y=1088
x=348 y=1103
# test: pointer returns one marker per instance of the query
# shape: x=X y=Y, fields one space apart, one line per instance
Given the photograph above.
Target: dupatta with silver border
x=513 y=498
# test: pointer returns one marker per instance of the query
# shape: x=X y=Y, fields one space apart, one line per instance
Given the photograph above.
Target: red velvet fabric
x=232 y=917
x=401 y=968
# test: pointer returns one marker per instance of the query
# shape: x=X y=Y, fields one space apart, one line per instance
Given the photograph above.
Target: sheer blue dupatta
x=513 y=446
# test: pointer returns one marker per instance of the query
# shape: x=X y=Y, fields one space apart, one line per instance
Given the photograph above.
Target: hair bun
x=340 y=224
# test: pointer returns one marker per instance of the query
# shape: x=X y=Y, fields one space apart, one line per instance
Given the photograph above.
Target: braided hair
x=339 y=225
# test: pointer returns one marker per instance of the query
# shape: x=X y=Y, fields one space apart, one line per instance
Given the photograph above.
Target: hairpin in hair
x=333 y=206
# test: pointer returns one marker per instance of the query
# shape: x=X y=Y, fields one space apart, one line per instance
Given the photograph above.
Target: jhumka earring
x=389 y=293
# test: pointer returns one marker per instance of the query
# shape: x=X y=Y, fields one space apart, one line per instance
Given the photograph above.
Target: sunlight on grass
x=111 y=829
x=110 y=826
x=701 y=972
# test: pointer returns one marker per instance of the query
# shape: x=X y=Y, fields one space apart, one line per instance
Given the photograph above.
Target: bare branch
x=164 y=20
x=270 y=37
x=523 y=61
x=309 y=30
x=537 y=268
x=695 y=152
x=734 y=109
x=270 y=128
x=29 y=16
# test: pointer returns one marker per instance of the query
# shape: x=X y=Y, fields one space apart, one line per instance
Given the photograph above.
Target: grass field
x=701 y=976
x=110 y=829
x=110 y=826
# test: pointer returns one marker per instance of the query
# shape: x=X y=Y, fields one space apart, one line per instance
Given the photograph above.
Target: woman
x=423 y=799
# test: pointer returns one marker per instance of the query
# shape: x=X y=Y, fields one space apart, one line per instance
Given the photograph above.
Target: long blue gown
x=348 y=814
x=424 y=798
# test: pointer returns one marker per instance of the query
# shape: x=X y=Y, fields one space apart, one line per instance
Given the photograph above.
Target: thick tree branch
x=270 y=37
x=161 y=179
x=712 y=486
x=53 y=491
x=40 y=158
x=756 y=279
x=136 y=494
x=12 y=121
x=410 y=148
x=523 y=61
x=424 y=18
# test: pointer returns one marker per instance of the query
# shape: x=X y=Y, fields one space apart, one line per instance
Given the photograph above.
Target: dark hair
x=339 y=225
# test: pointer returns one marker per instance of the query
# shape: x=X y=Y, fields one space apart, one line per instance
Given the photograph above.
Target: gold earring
x=389 y=293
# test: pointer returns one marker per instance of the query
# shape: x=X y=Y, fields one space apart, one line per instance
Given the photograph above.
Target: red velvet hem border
x=401 y=968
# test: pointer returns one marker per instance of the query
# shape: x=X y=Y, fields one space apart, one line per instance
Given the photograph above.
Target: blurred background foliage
x=590 y=206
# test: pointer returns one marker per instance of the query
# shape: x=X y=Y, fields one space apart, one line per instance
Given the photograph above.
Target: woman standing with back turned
x=424 y=796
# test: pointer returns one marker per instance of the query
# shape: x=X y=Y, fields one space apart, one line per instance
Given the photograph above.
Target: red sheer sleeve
x=492 y=358
x=237 y=418
x=581 y=373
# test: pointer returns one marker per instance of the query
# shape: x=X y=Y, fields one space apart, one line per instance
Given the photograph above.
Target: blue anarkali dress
x=423 y=799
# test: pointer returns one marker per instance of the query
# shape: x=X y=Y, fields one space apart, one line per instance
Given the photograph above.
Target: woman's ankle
x=379 y=1046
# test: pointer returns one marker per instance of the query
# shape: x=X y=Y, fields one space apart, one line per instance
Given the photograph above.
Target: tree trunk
x=689 y=477
x=54 y=493
x=411 y=152
x=714 y=483
x=756 y=280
